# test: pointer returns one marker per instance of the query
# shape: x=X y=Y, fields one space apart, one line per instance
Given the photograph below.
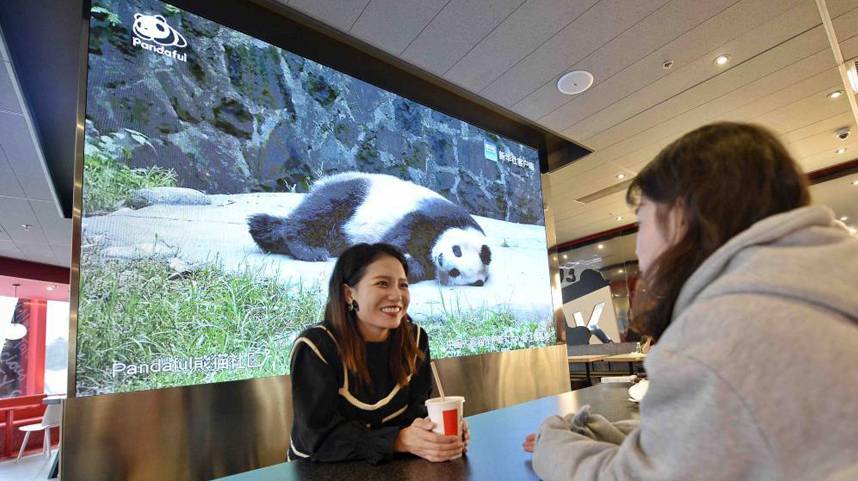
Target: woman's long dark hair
x=729 y=176
x=349 y=270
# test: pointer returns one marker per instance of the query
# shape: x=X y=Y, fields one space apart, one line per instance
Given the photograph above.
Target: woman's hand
x=466 y=436
x=418 y=439
x=529 y=442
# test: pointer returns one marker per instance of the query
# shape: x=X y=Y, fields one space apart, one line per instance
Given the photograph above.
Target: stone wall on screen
x=242 y=116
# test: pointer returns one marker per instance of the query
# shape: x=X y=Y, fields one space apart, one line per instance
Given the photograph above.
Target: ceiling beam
x=34 y=271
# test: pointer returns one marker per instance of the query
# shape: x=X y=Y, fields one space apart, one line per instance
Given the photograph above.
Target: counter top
x=495 y=452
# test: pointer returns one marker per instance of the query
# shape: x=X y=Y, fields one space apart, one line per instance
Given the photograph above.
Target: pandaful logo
x=153 y=33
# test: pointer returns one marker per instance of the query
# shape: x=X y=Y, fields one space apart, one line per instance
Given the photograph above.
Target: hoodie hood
x=804 y=254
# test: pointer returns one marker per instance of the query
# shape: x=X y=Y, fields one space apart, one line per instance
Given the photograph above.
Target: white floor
x=30 y=468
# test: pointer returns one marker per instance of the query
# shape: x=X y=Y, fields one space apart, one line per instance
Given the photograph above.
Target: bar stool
x=51 y=419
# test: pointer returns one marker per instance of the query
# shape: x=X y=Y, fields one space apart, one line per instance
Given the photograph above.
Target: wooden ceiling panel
x=455 y=30
x=340 y=14
x=599 y=218
x=828 y=125
x=712 y=90
x=816 y=146
x=578 y=118
x=646 y=39
x=837 y=8
x=391 y=25
x=596 y=27
x=752 y=57
x=519 y=35
x=760 y=97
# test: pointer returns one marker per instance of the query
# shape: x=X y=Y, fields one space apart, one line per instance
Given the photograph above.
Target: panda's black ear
x=161 y=18
x=486 y=255
x=137 y=16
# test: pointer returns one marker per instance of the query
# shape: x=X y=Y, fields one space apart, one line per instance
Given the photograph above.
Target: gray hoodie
x=757 y=376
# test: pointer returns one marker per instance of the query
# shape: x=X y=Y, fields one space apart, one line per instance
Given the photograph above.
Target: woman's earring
x=353 y=307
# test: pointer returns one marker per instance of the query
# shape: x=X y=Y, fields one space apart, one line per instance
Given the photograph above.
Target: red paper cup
x=446 y=413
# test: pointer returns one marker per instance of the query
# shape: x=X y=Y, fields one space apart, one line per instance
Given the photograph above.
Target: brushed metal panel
x=497 y=380
x=196 y=433
x=188 y=433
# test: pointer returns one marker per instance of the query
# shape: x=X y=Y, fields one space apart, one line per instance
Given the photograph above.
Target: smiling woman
x=360 y=378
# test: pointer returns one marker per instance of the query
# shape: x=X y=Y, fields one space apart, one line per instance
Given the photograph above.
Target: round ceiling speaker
x=575 y=82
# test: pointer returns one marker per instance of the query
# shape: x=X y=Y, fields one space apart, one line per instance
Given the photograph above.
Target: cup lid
x=446 y=399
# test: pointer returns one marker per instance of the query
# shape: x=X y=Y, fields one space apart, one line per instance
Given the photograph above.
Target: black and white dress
x=335 y=419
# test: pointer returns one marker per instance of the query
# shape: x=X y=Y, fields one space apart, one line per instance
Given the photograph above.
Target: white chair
x=51 y=419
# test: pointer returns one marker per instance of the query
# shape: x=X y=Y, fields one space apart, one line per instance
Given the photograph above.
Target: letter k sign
x=594 y=316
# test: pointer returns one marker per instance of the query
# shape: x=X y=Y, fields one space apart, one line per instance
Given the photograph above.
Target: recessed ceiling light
x=841 y=150
x=26 y=227
x=575 y=82
x=555 y=258
x=621 y=176
x=835 y=95
x=722 y=59
x=844 y=218
x=619 y=218
x=601 y=246
x=51 y=287
x=667 y=65
x=852 y=75
x=564 y=256
x=855 y=182
x=621 y=271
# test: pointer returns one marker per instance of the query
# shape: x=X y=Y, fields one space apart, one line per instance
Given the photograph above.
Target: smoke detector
x=575 y=82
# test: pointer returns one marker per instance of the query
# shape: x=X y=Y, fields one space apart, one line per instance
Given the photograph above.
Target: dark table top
x=495 y=451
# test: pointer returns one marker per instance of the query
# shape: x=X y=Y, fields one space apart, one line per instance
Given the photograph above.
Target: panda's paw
x=303 y=252
x=416 y=271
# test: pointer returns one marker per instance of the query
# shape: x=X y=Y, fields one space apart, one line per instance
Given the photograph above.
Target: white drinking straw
x=437 y=379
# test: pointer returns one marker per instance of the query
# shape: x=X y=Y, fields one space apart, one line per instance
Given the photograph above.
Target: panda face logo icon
x=154 y=28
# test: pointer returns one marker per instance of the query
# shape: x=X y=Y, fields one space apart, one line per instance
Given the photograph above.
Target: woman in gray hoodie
x=752 y=296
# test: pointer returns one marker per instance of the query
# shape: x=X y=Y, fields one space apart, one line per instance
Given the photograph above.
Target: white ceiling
x=32 y=289
x=617 y=252
x=511 y=52
x=26 y=193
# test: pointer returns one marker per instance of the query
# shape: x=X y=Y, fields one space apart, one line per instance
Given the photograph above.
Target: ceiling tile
x=837 y=8
x=590 y=31
x=8 y=249
x=649 y=39
x=340 y=14
x=392 y=24
x=828 y=125
x=753 y=56
x=822 y=143
x=455 y=30
x=62 y=254
x=41 y=253
x=691 y=54
x=745 y=105
x=57 y=229
x=15 y=213
x=17 y=143
x=520 y=34
x=8 y=182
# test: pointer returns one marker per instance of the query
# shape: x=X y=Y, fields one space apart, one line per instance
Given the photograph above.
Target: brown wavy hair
x=349 y=270
x=729 y=176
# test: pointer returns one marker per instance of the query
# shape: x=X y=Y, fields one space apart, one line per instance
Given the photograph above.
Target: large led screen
x=222 y=176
